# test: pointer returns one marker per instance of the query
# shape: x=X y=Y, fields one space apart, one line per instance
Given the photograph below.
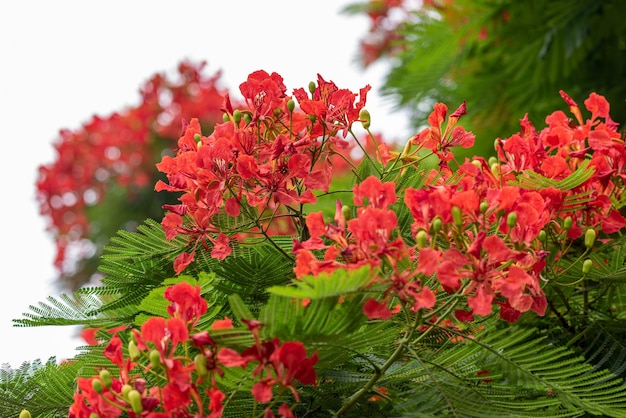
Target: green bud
x=457 y=216
x=134 y=399
x=97 y=385
x=365 y=118
x=587 y=264
x=126 y=390
x=436 y=225
x=492 y=160
x=483 y=206
x=94 y=415
x=590 y=238
x=346 y=212
x=133 y=351
x=25 y=414
x=312 y=87
x=200 y=362
x=421 y=239
x=542 y=235
x=105 y=376
x=511 y=220
x=237 y=116
x=155 y=359
x=495 y=169
x=247 y=118
x=477 y=163
x=312 y=118
x=225 y=117
x=291 y=105
x=567 y=223
x=277 y=112
x=197 y=137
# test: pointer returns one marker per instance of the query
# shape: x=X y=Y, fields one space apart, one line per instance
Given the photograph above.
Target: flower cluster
x=116 y=154
x=162 y=377
x=260 y=166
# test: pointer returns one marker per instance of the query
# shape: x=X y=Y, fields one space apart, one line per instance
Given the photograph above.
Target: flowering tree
x=505 y=57
x=109 y=163
x=460 y=290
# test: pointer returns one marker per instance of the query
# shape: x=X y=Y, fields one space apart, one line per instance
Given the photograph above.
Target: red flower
x=187 y=302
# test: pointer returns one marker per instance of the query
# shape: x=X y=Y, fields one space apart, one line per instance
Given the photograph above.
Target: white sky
x=64 y=61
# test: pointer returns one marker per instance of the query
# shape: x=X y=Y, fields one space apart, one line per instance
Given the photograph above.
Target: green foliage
x=508 y=58
x=529 y=374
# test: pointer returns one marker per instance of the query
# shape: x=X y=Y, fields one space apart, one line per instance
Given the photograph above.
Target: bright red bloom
x=187 y=302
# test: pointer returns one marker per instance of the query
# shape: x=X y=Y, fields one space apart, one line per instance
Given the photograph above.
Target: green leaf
x=325 y=285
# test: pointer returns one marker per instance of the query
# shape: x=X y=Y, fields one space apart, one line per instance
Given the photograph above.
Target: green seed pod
x=237 y=116
x=247 y=118
x=590 y=238
x=97 y=386
x=126 y=390
x=25 y=414
x=436 y=225
x=200 y=362
x=421 y=239
x=155 y=359
x=105 y=376
x=587 y=264
x=365 y=118
x=133 y=351
x=567 y=223
x=346 y=212
x=457 y=216
x=483 y=206
x=511 y=219
x=291 y=105
x=312 y=87
x=134 y=399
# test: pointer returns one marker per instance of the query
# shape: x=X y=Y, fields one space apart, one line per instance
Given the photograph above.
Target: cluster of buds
x=174 y=369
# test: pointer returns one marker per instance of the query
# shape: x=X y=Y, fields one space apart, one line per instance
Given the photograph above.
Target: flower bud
x=587 y=264
x=436 y=225
x=225 y=117
x=97 y=385
x=155 y=359
x=277 y=112
x=237 y=116
x=312 y=87
x=291 y=105
x=126 y=390
x=25 y=414
x=542 y=235
x=105 y=376
x=197 y=137
x=200 y=362
x=247 y=118
x=511 y=219
x=421 y=239
x=457 y=216
x=94 y=415
x=134 y=399
x=483 y=206
x=495 y=169
x=492 y=160
x=477 y=163
x=365 y=118
x=590 y=238
x=133 y=351
x=567 y=223
x=346 y=212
